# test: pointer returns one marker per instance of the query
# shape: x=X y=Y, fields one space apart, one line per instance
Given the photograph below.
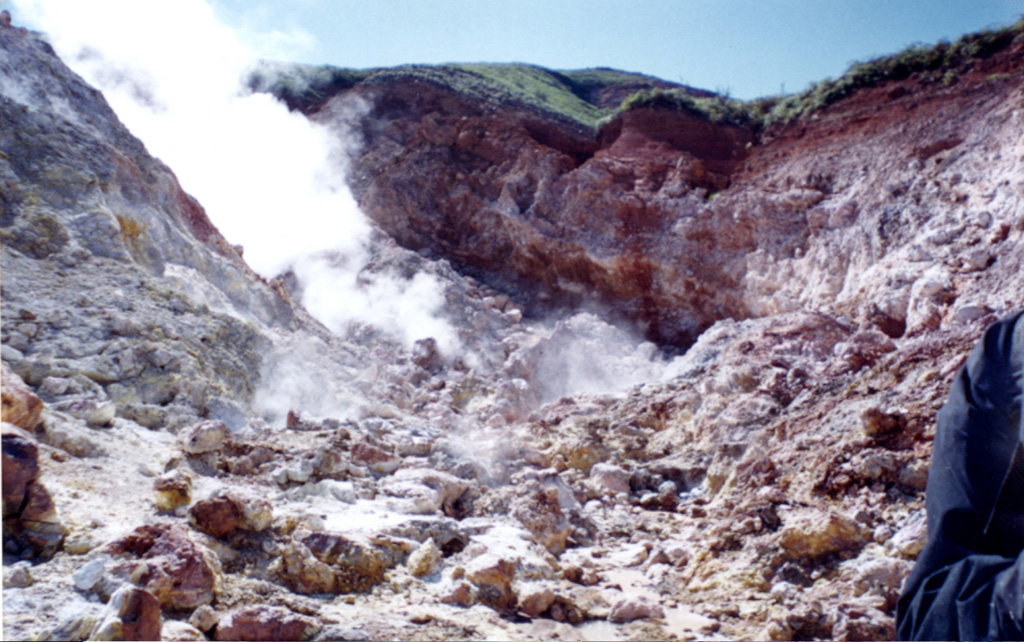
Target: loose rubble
x=163 y=479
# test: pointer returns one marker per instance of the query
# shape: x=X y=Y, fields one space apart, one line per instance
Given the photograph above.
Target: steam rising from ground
x=584 y=354
x=274 y=182
x=270 y=180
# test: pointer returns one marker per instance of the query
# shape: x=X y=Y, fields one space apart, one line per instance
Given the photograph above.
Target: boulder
x=321 y=562
x=609 y=479
x=204 y=437
x=204 y=618
x=492 y=576
x=230 y=510
x=18 y=575
x=94 y=577
x=181 y=573
x=30 y=516
x=460 y=594
x=20 y=467
x=635 y=607
x=863 y=624
x=96 y=412
x=216 y=516
x=878 y=575
x=18 y=404
x=131 y=614
x=176 y=631
x=910 y=538
x=265 y=623
x=422 y=491
x=535 y=599
x=814 y=535
x=376 y=459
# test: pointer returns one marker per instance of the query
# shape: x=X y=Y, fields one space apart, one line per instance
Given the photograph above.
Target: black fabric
x=968 y=583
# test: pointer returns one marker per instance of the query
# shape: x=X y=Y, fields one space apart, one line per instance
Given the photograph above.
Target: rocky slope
x=188 y=453
x=670 y=221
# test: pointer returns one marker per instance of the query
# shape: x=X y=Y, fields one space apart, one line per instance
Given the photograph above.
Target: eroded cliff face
x=672 y=222
x=187 y=451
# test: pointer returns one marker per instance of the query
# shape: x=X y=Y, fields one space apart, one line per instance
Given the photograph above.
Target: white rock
x=911 y=537
x=609 y=479
x=635 y=607
x=90 y=573
x=204 y=437
x=301 y=471
x=329 y=488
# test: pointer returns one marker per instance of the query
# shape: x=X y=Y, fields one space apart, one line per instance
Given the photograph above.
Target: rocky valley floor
x=190 y=455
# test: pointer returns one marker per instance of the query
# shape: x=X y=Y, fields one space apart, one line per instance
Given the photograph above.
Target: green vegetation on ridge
x=302 y=86
x=562 y=95
x=939 y=63
x=572 y=95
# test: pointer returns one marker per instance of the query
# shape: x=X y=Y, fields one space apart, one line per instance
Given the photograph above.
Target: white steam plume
x=270 y=180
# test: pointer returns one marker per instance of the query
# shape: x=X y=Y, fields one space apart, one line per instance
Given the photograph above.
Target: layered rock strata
x=670 y=222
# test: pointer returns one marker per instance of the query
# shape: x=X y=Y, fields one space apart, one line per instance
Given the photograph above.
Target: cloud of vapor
x=271 y=180
x=584 y=354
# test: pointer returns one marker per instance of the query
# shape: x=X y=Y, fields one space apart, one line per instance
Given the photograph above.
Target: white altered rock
x=329 y=488
x=422 y=491
x=175 y=631
x=875 y=574
x=609 y=479
x=204 y=437
x=634 y=608
x=911 y=537
x=425 y=559
x=89 y=574
x=301 y=471
x=18 y=575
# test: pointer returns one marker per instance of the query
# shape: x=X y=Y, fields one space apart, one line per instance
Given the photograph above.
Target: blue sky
x=747 y=48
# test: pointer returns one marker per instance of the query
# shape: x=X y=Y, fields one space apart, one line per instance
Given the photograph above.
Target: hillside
x=580 y=99
x=699 y=350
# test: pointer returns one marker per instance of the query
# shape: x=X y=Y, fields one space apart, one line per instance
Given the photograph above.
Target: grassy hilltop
x=589 y=97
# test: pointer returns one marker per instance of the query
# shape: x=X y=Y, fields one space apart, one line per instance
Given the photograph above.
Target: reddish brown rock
x=39 y=522
x=20 y=467
x=535 y=599
x=30 y=516
x=265 y=624
x=230 y=510
x=181 y=573
x=461 y=594
x=492 y=576
x=374 y=458
x=18 y=404
x=216 y=516
x=131 y=614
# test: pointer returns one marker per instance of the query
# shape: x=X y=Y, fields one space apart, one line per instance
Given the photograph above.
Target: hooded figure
x=968 y=583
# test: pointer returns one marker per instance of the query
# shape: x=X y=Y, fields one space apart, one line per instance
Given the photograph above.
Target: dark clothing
x=968 y=583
